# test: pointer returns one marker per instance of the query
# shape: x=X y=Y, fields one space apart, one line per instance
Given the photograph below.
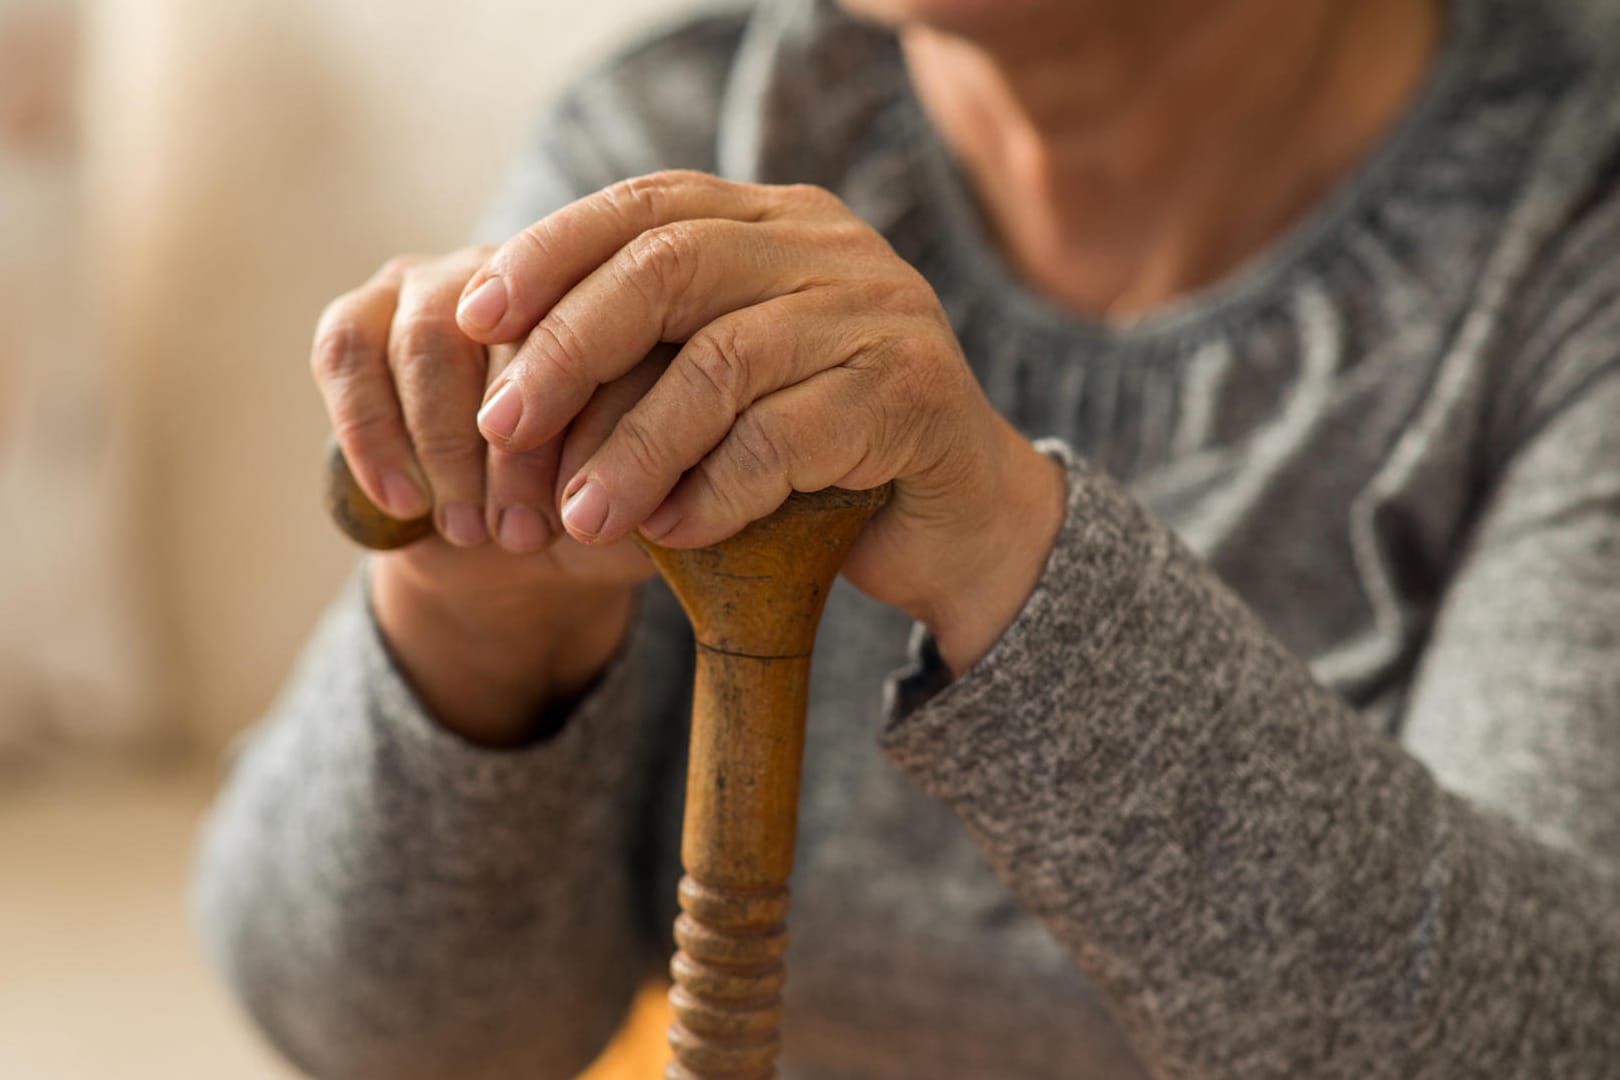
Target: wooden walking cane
x=754 y=602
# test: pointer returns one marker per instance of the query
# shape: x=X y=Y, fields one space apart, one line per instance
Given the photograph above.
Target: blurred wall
x=73 y=661
x=242 y=164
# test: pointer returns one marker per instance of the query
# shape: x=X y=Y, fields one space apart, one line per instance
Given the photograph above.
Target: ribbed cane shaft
x=754 y=602
x=741 y=815
x=728 y=975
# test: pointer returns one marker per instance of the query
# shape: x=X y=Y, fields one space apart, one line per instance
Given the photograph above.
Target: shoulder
x=776 y=91
x=1561 y=328
x=1538 y=132
x=1560 y=335
x=654 y=105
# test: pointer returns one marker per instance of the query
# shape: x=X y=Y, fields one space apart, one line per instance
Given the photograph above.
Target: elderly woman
x=1261 y=720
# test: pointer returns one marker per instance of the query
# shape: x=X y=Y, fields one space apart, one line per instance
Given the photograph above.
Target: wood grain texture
x=754 y=602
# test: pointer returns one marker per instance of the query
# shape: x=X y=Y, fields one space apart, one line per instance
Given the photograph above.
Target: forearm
x=389 y=900
x=1261 y=884
x=492 y=668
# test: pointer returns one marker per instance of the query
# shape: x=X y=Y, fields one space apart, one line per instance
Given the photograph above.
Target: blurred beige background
x=183 y=184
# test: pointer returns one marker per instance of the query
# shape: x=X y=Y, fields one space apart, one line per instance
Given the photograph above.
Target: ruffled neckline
x=966 y=242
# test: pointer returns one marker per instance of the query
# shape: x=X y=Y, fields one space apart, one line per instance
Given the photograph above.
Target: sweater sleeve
x=388 y=900
x=1261 y=883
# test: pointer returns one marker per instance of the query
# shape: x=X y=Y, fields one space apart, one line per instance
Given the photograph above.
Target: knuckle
x=638 y=442
x=684 y=179
x=721 y=499
x=645 y=198
x=537 y=236
x=848 y=235
x=359 y=426
x=814 y=197
x=342 y=347
x=561 y=347
x=446 y=448
x=640 y=197
x=860 y=239
x=423 y=336
x=661 y=260
x=717 y=363
x=396 y=267
x=754 y=446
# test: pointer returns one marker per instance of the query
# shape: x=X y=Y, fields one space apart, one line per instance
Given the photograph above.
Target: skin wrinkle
x=1203 y=860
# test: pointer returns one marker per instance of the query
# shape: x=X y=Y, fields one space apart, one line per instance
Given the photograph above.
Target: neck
x=1141 y=151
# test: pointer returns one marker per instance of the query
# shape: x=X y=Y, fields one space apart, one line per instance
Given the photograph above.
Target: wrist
x=1005 y=557
x=488 y=665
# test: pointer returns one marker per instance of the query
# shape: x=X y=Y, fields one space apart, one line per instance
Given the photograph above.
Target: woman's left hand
x=814 y=357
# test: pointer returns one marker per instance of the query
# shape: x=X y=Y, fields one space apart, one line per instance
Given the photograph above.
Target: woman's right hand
x=499 y=613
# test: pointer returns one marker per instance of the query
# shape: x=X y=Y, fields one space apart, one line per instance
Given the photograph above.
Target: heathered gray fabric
x=1303 y=760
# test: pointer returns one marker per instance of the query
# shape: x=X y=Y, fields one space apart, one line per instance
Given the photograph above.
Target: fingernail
x=586 y=510
x=405 y=498
x=499 y=417
x=463 y=525
x=665 y=518
x=483 y=307
x=522 y=530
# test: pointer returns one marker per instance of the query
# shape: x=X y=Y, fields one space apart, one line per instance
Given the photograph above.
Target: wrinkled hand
x=813 y=356
x=486 y=633
x=402 y=385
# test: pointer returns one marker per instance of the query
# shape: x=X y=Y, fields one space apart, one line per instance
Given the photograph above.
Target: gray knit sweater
x=1303 y=760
